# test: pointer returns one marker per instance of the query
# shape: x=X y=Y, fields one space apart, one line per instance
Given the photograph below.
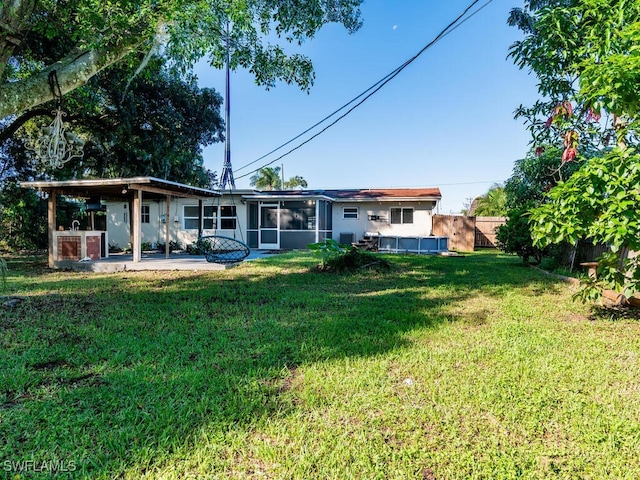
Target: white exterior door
x=269 y=227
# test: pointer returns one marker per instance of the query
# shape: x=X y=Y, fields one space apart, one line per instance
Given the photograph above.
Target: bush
x=173 y=246
x=340 y=258
x=515 y=236
x=23 y=218
x=199 y=246
x=3 y=272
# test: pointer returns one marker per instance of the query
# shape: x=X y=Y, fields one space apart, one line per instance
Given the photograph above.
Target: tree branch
x=7 y=132
x=72 y=71
x=13 y=23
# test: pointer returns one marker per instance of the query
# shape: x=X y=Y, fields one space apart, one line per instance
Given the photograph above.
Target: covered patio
x=158 y=262
x=69 y=248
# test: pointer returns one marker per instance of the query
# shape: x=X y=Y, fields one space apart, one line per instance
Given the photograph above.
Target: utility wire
x=368 y=92
x=316 y=124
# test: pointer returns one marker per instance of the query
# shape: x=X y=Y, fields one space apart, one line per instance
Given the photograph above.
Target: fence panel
x=486 y=231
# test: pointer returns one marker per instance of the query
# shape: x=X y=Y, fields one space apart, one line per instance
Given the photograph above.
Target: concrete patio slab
x=151 y=261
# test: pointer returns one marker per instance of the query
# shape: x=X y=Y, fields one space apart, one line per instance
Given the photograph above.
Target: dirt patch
x=50 y=364
x=427 y=474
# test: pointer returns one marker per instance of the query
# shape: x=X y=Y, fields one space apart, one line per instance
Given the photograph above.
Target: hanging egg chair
x=223 y=250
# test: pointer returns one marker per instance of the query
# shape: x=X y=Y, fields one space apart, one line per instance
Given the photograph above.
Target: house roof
x=386 y=194
x=121 y=188
x=357 y=195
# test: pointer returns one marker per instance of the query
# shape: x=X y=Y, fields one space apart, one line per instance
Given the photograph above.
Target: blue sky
x=446 y=121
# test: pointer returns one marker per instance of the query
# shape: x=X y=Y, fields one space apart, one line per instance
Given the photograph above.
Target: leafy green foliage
x=532 y=176
x=599 y=202
x=327 y=250
x=515 y=236
x=554 y=48
x=491 y=204
x=343 y=258
x=157 y=126
x=4 y=269
x=23 y=217
x=295 y=182
x=270 y=178
x=261 y=39
x=173 y=246
x=267 y=178
x=585 y=52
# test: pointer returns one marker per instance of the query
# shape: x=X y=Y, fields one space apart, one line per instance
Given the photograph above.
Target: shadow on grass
x=123 y=370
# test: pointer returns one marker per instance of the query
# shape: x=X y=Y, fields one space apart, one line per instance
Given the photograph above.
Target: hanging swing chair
x=219 y=248
x=222 y=249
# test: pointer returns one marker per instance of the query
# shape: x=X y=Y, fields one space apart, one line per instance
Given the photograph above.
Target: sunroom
x=287 y=220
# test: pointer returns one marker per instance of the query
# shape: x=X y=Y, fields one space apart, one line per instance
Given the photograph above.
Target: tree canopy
x=586 y=55
x=83 y=37
x=491 y=204
x=269 y=178
x=154 y=124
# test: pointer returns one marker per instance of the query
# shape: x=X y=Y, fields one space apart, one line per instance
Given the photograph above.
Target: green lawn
x=470 y=367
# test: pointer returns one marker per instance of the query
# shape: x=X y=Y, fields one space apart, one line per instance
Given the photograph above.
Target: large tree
x=91 y=35
x=586 y=54
x=154 y=124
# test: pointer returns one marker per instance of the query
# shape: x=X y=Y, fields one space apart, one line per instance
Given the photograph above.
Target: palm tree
x=267 y=178
x=491 y=204
x=295 y=182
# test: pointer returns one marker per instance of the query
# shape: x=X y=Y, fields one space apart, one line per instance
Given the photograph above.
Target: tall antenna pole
x=227 y=172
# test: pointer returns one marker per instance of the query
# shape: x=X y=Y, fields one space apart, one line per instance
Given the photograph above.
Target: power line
x=369 y=92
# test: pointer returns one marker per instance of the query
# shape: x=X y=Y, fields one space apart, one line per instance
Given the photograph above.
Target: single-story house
x=147 y=210
x=281 y=219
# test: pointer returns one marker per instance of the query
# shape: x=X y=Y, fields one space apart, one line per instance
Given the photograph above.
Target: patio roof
x=131 y=190
x=121 y=189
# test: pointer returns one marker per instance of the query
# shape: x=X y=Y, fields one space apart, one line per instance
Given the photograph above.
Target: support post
x=137 y=227
x=167 y=227
x=51 y=221
x=199 y=218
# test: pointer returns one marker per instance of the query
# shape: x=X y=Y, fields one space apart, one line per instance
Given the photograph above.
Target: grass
x=470 y=367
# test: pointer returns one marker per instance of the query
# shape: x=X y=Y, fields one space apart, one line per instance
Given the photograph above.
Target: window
x=350 y=212
x=401 y=215
x=228 y=217
x=298 y=215
x=209 y=217
x=145 y=215
x=191 y=217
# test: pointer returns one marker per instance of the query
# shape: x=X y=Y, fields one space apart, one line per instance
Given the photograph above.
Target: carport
x=132 y=190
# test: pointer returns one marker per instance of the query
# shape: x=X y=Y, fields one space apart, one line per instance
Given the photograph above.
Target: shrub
x=515 y=236
x=173 y=246
x=340 y=258
x=3 y=272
